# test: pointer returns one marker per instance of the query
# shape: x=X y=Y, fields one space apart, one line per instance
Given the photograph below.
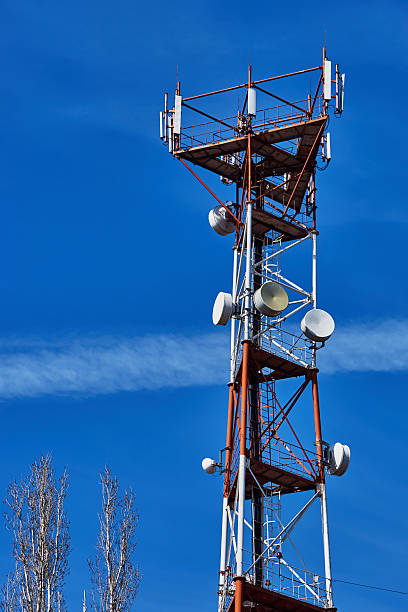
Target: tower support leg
x=224 y=523
x=241 y=480
x=323 y=498
x=224 y=533
x=239 y=593
x=326 y=546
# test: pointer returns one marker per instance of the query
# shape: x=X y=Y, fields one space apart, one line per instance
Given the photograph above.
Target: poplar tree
x=36 y=518
x=114 y=574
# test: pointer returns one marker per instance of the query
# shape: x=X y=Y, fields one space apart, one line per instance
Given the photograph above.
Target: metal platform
x=263 y=222
x=289 y=482
x=281 y=367
x=274 y=160
x=272 y=601
x=286 y=481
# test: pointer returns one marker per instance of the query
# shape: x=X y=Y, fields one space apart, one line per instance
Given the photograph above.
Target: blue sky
x=109 y=271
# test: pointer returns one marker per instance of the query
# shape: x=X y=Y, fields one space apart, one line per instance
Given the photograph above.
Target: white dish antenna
x=339 y=459
x=317 y=325
x=222 y=309
x=221 y=220
x=271 y=299
x=209 y=465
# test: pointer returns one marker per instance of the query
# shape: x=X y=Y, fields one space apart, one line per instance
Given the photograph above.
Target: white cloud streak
x=370 y=347
x=90 y=366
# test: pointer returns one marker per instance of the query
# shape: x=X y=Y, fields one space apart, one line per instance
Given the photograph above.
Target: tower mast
x=272 y=479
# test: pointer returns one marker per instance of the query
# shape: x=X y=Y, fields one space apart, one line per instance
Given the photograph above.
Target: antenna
x=317 y=325
x=340 y=80
x=327 y=80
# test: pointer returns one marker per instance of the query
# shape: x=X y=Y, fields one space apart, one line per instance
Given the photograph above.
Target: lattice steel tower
x=268 y=159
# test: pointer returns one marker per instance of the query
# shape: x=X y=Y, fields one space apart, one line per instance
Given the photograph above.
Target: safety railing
x=211 y=132
x=281 y=577
x=295 y=348
x=271 y=204
x=286 y=456
x=294 y=582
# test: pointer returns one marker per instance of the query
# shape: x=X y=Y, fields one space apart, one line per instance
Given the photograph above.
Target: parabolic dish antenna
x=221 y=221
x=222 y=309
x=317 y=325
x=209 y=465
x=339 y=459
x=271 y=299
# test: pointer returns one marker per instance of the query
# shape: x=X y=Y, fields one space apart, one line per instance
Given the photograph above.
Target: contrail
x=109 y=364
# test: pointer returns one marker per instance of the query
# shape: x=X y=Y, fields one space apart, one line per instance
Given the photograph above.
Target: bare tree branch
x=9 y=593
x=115 y=577
x=36 y=518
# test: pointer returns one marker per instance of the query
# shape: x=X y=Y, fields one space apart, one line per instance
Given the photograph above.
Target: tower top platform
x=285 y=131
x=271 y=160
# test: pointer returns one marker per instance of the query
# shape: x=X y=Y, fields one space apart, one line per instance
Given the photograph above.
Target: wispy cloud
x=370 y=347
x=89 y=366
x=30 y=368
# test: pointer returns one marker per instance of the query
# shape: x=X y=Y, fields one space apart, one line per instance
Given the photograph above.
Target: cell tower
x=273 y=474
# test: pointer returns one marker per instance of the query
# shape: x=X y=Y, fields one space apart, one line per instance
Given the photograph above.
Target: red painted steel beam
x=291 y=403
x=275 y=78
x=196 y=110
x=317 y=91
x=318 y=426
x=209 y=190
x=287 y=420
x=289 y=74
x=239 y=593
x=229 y=443
x=244 y=398
x=302 y=110
x=319 y=133
x=295 y=457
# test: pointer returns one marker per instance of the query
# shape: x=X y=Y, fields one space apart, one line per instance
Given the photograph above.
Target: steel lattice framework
x=269 y=159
